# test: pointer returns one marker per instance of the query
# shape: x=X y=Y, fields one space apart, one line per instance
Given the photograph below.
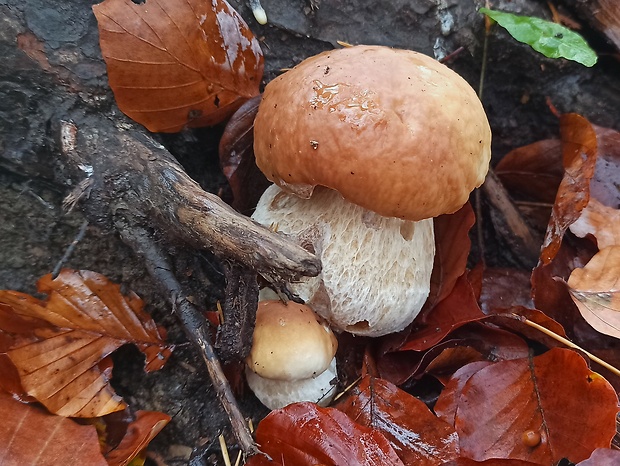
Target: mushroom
x=292 y=357
x=366 y=145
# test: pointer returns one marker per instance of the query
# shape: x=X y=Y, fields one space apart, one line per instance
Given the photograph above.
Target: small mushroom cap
x=291 y=342
x=394 y=131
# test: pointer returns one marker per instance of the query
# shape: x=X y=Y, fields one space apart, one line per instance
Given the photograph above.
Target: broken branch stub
x=129 y=172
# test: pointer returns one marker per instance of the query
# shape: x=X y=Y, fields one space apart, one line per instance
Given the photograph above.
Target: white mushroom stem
x=277 y=394
x=376 y=270
x=258 y=11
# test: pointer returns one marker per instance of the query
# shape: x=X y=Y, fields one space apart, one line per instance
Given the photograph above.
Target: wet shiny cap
x=290 y=342
x=394 y=131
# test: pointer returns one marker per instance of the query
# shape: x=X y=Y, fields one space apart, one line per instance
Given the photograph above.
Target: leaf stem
x=568 y=343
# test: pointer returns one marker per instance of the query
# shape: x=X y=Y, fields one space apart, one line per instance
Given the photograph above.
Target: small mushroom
x=292 y=357
x=399 y=139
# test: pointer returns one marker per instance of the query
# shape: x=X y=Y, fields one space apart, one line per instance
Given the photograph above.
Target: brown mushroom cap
x=290 y=342
x=393 y=131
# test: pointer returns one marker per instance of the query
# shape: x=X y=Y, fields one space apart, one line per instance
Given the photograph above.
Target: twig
x=193 y=322
x=69 y=251
x=568 y=343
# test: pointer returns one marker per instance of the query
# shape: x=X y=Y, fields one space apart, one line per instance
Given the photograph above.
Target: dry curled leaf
x=595 y=289
x=178 y=63
x=537 y=409
x=61 y=360
x=600 y=221
x=31 y=436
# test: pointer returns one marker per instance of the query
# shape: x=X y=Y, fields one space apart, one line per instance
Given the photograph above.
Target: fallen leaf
x=416 y=434
x=304 y=434
x=605 y=184
x=492 y=462
x=595 y=289
x=31 y=436
x=85 y=318
x=533 y=172
x=539 y=409
x=452 y=245
x=600 y=221
x=457 y=309
x=139 y=433
x=237 y=159
x=447 y=403
x=504 y=288
x=602 y=457
x=178 y=63
x=579 y=151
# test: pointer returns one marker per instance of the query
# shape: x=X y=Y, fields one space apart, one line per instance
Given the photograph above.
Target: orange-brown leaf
x=416 y=434
x=579 y=151
x=595 y=289
x=303 y=434
x=29 y=435
x=178 y=63
x=138 y=435
x=553 y=397
x=85 y=318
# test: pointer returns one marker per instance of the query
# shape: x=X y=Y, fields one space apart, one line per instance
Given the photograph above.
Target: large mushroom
x=365 y=146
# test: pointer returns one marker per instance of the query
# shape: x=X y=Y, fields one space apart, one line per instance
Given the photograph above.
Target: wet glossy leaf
x=178 y=63
x=31 y=436
x=602 y=457
x=579 y=151
x=457 y=309
x=533 y=172
x=237 y=160
x=540 y=409
x=551 y=39
x=416 y=434
x=84 y=319
x=493 y=462
x=605 y=184
x=304 y=434
x=452 y=246
x=595 y=289
x=138 y=435
x=503 y=288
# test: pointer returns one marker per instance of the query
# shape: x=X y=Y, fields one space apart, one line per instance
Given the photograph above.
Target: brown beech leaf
x=533 y=172
x=178 y=63
x=493 y=462
x=30 y=435
x=595 y=289
x=579 y=151
x=416 y=434
x=237 y=160
x=470 y=341
x=503 y=288
x=605 y=184
x=84 y=319
x=303 y=434
x=457 y=309
x=447 y=403
x=602 y=457
x=511 y=319
x=600 y=221
x=138 y=435
x=537 y=409
x=452 y=245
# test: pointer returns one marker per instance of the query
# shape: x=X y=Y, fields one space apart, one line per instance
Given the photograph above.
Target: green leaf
x=550 y=39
